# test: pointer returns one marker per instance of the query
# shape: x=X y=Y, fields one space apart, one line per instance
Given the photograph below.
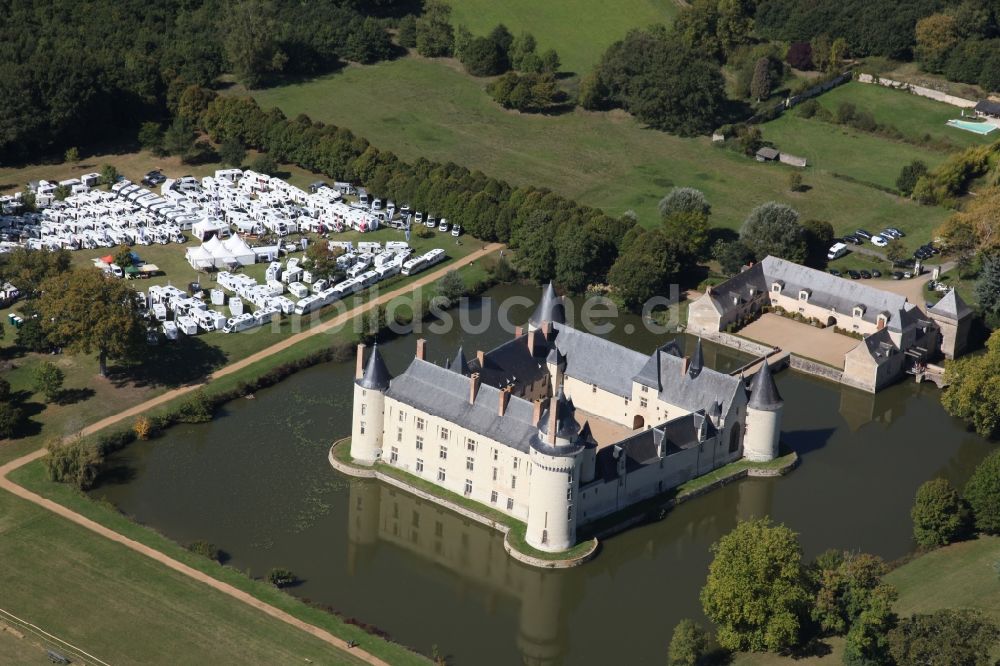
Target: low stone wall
x=366 y=473
x=929 y=93
x=736 y=342
x=813 y=368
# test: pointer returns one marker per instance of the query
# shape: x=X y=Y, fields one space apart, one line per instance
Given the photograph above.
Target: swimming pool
x=978 y=128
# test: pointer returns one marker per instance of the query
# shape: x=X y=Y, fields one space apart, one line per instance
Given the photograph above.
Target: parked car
x=866 y=275
x=897 y=275
x=879 y=241
x=896 y=231
x=876 y=273
x=863 y=234
x=834 y=272
x=852 y=239
x=443 y=226
x=456 y=230
x=907 y=275
x=854 y=275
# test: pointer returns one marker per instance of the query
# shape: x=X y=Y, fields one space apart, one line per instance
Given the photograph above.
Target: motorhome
x=836 y=251
x=298 y=290
x=308 y=304
x=239 y=323
x=170 y=330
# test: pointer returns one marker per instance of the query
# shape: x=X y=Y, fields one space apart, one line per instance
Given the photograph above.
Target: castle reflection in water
x=383 y=515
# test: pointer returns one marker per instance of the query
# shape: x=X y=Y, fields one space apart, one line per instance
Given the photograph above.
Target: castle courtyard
x=820 y=344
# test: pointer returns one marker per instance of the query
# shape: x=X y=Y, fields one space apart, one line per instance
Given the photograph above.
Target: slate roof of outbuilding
x=951 y=306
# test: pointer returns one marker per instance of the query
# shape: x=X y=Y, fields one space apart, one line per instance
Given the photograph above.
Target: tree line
x=764 y=597
x=78 y=72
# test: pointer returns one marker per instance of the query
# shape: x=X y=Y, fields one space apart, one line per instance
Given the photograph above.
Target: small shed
x=767 y=154
x=986 y=108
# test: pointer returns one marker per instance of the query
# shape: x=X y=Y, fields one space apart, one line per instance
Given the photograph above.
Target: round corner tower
x=763 y=425
x=370 y=385
x=556 y=458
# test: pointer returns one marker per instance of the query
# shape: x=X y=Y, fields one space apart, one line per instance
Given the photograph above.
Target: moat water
x=256 y=482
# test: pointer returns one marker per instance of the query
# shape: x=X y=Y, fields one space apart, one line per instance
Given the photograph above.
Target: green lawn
x=125 y=608
x=837 y=149
x=580 y=30
x=422 y=108
x=911 y=114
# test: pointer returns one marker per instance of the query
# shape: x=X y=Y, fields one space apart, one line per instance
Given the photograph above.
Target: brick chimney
x=553 y=412
x=504 y=397
x=359 y=368
x=536 y=414
x=518 y=331
x=473 y=387
x=685 y=363
x=421 y=348
x=531 y=343
x=481 y=357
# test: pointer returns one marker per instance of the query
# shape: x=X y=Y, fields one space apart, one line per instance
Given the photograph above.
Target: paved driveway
x=820 y=344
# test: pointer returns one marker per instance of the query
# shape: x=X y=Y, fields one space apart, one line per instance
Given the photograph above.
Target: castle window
x=420 y=443
x=569 y=513
x=445 y=433
x=402 y=417
x=571 y=476
x=516 y=460
x=493 y=497
x=644 y=389
x=420 y=465
x=361 y=427
x=495 y=473
x=545 y=536
x=643 y=402
x=441 y=474
x=469 y=463
x=513 y=482
x=593 y=388
x=364 y=409
x=804 y=295
x=468 y=486
x=569 y=493
x=470 y=444
x=443 y=453
x=420 y=423
x=394 y=455
x=399 y=434
x=496 y=454
x=510 y=503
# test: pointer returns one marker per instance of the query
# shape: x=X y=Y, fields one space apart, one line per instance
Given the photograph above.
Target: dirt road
x=225 y=588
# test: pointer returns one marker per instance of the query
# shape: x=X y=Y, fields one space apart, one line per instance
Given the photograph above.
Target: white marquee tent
x=221 y=254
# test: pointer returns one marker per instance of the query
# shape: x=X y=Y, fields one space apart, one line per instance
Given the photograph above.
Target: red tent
x=108 y=259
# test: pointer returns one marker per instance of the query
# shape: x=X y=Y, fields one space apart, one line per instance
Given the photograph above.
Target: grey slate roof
x=594 y=360
x=988 y=106
x=880 y=346
x=680 y=388
x=951 y=306
x=376 y=376
x=512 y=362
x=445 y=393
x=763 y=391
x=550 y=308
x=460 y=364
x=642 y=448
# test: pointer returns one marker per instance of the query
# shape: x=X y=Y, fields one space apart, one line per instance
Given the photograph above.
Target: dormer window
x=881 y=321
x=859 y=311
x=803 y=294
x=776 y=287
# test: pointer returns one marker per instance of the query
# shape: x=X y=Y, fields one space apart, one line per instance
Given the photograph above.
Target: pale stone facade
x=587 y=428
x=895 y=333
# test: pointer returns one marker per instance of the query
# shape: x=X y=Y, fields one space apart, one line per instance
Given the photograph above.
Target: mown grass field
x=580 y=30
x=836 y=149
x=422 y=108
x=125 y=608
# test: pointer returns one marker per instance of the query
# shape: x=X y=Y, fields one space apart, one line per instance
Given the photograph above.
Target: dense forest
x=76 y=72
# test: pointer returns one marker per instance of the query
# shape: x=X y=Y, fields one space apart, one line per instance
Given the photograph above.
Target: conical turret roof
x=460 y=364
x=763 y=391
x=697 y=361
x=376 y=375
x=566 y=425
x=550 y=308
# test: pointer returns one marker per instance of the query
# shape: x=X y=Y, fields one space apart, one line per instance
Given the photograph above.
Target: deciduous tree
x=760 y=84
x=973 y=391
x=773 y=229
x=87 y=312
x=688 y=645
x=982 y=492
x=951 y=637
x=435 y=35
x=48 y=380
x=939 y=515
x=756 y=590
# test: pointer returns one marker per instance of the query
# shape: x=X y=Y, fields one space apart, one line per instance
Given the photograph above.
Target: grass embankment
x=601 y=159
x=517 y=534
x=60 y=575
x=580 y=30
